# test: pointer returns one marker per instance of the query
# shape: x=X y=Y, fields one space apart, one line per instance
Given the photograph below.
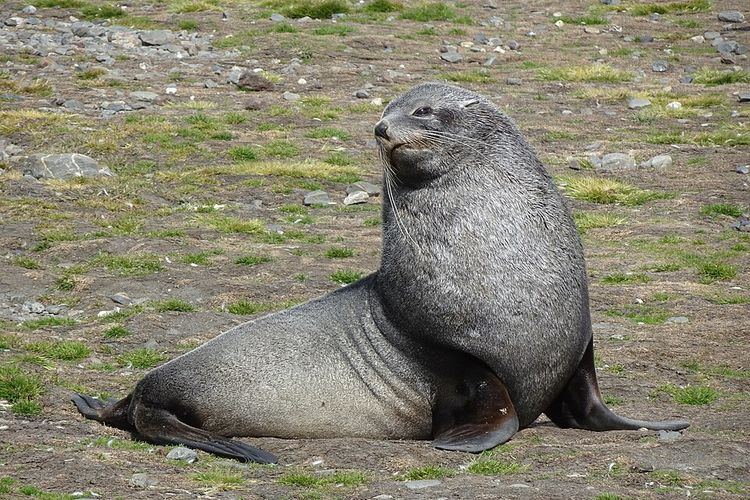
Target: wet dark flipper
x=476 y=415
x=160 y=426
x=580 y=405
x=115 y=415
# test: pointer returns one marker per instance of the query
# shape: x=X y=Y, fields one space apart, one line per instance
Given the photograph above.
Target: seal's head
x=422 y=130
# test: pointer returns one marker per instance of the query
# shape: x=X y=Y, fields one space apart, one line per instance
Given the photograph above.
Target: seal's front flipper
x=580 y=405
x=161 y=426
x=474 y=412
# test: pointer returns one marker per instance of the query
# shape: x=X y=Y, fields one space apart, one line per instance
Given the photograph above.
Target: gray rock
x=291 y=96
x=277 y=18
x=610 y=2
x=661 y=161
x=514 y=45
x=422 y=483
x=678 y=319
x=362 y=94
x=254 y=82
x=519 y=485
x=645 y=38
x=151 y=344
x=370 y=189
x=638 y=103
x=122 y=299
x=184 y=454
x=54 y=309
x=686 y=79
x=382 y=497
x=235 y=74
x=13 y=21
x=669 y=436
x=29 y=9
x=61 y=166
x=33 y=307
x=317 y=198
x=731 y=16
x=356 y=198
x=143 y=480
x=125 y=39
x=157 y=37
x=451 y=57
x=660 y=66
x=514 y=81
x=742 y=224
x=141 y=95
x=339 y=16
x=81 y=28
x=481 y=39
x=711 y=35
x=489 y=61
x=210 y=84
x=728 y=46
x=617 y=161
x=73 y=105
x=743 y=169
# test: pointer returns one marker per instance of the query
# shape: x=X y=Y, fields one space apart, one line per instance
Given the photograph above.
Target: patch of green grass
x=26 y=407
x=587 y=20
x=252 y=260
x=712 y=271
x=427 y=472
x=645 y=9
x=607 y=191
x=200 y=258
x=91 y=73
x=220 y=478
x=697 y=395
x=689 y=23
x=280 y=149
x=6 y=484
x=26 y=263
x=345 y=277
x=372 y=221
x=343 y=478
x=383 y=6
x=625 y=279
x=188 y=6
x=63 y=4
x=648 y=315
x=315 y=9
x=116 y=332
x=713 y=77
x=187 y=24
x=613 y=400
x=243 y=153
x=301 y=170
x=245 y=307
x=284 y=28
x=594 y=220
x=66 y=350
x=105 y=11
x=9 y=340
x=340 y=159
x=142 y=358
x=16 y=385
x=593 y=73
x=491 y=467
x=328 y=133
x=722 y=209
x=339 y=252
x=469 y=76
x=36 y=324
x=721 y=370
x=130 y=265
x=338 y=29
x=119 y=444
x=54 y=236
x=721 y=137
x=434 y=11
x=228 y=224
x=725 y=299
x=176 y=305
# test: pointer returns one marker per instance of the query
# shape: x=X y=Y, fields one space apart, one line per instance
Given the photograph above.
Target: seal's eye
x=423 y=111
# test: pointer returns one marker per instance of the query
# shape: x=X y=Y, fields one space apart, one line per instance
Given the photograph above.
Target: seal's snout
x=381 y=130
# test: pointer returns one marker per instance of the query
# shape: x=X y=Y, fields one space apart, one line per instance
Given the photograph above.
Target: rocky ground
x=169 y=169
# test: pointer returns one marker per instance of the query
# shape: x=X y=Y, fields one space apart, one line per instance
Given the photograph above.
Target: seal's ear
x=469 y=103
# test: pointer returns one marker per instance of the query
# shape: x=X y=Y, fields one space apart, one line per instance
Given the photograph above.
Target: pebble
x=698 y=39
x=743 y=97
x=711 y=35
x=514 y=45
x=743 y=169
x=61 y=166
x=617 y=161
x=742 y=224
x=254 y=82
x=122 y=299
x=382 y=497
x=369 y=188
x=143 y=480
x=674 y=105
x=171 y=90
x=591 y=30
x=291 y=96
x=422 y=483
x=638 y=103
x=157 y=37
x=29 y=9
x=669 y=436
x=356 y=198
x=181 y=453
x=660 y=66
x=646 y=39
x=661 y=161
x=731 y=16
x=317 y=198
x=362 y=94
x=678 y=319
x=277 y=18
x=451 y=57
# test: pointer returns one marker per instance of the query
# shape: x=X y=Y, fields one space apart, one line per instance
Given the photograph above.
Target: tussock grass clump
x=383 y=6
x=646 y=9
x=647 y=315
x=698 y=395
x=130 y=265
x=27 y=263
x=427 y=472
x=345 y=277
x=142 y=358
x=434 y=11
x=625 y=279
x=65 y=350
x=592 y=220
x=310 y=169
x=36 y=87
x=36 y=324
x=17 y=386
x=176 y=305
x=585 y=20
x=188 y=6
x=473 y=76
x=716 y=271
x=315 y=9
x=252 y=260
x=228 y=224
x=592 y=73
x=491 y=467
x=606 y=191
x=339 y=252
x=344 y=478
x=105 y=11
x=713 y=77
x=721 y=209
x=339 y=29
x=220 y=478
x=116 y=332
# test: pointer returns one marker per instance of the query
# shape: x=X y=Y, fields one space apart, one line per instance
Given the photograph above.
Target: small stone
x=591 y=30
x=743 y=96
x=686 y=79
x=291 y=96
x=157 y=37
x=481 y=39
x=727 y=46
x=277 y=18
x=171 y=90
x=61 y=166
x=356 y=198
x=139 y=95
x=674 y=105
x=678 y=319
x=317 y=198
x=661 y=161
x=422 y=483
x=34 y=307
x=490 y=60
x=711 y=35
x=210 y=84
x=519 y=485
x=698 y=39
x=559 y=23
x=617 y=161
x=369 y=188
x=254 y=82
x=514 y=81
x=53 y=309
x=638 y=103
x=660 y=66
x=184 y=454
x=646 y=39
x=151 y=344
x=29 y=9
x=743 y=169
x=122 y=299
x=669 y=436
x=609 y=2
x=234 y=75
x=362 y=94
x=742 y=224
x=73 y=105
x=143 y=480
x=731 y=16
x=451 y=57
x=514 y=45
x=382 y=497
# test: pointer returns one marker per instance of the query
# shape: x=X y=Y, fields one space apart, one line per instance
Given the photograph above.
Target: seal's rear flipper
x=476 y=415
x=161 y=426
x=580 y=405
x=115 y=415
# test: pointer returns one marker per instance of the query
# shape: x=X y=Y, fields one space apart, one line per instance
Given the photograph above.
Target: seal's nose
x=381 y=129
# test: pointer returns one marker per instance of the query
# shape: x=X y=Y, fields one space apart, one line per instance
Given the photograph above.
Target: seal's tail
x=580 y=405
x=160 y=426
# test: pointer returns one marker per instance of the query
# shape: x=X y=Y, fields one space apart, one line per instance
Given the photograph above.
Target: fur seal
x=476 y=323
